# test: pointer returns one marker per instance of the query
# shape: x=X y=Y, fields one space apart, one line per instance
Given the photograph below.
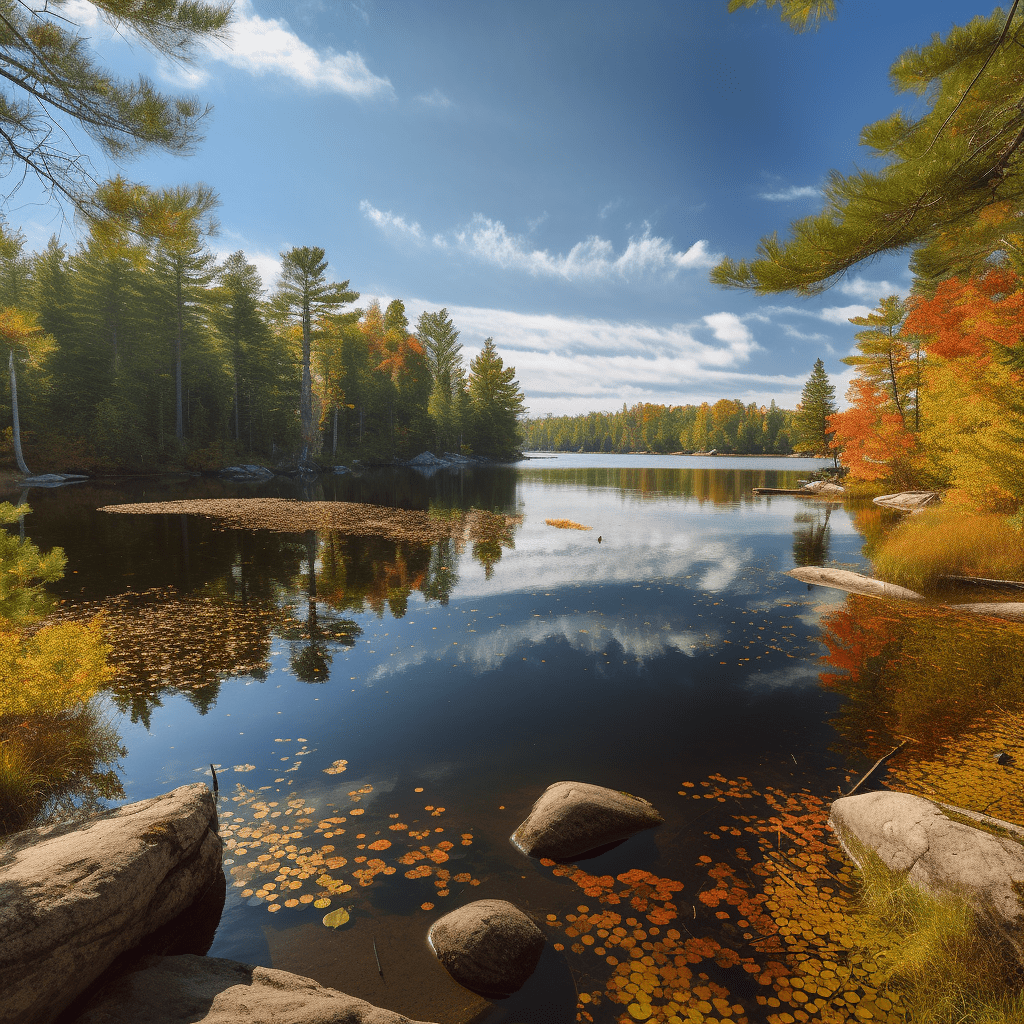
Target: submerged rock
x=74 y=897
x=941 y=849
x=209 y=990
x=908 y=501
x=489 y=946
x=851 y=582
x=572 y=818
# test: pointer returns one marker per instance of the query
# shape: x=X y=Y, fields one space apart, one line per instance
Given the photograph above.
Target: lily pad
x=336 y=918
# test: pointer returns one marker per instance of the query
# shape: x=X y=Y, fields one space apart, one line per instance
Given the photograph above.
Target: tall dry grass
x=949 y=965
x=944 y=541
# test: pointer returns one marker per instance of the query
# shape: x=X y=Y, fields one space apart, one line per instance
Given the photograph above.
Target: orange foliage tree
x=975 y=429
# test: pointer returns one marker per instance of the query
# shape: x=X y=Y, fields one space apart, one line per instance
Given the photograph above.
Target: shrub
x=942 y=541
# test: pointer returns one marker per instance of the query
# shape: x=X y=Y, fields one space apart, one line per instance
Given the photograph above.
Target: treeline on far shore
x=727 y=426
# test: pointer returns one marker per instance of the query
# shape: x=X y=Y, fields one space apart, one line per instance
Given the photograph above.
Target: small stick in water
x=377 y=958
x=215 y=786
x=878 y=763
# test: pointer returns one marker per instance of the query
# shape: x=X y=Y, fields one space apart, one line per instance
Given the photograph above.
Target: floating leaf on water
x=336 y=918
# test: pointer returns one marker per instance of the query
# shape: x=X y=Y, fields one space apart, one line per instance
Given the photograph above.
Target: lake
x=382 y=714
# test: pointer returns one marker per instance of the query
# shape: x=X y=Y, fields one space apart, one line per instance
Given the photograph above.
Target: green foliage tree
x=890 y=358
x=54 y=89
x=952 y=181
x=496 y=403
x=438 y=335
x=817 y=403
x=304 y=294
x=236 y=314
x=180 y=218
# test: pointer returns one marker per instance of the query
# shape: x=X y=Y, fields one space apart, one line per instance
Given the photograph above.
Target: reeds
x=949 y=965
x=946 y=542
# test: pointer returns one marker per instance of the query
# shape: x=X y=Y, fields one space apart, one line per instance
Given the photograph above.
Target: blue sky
x=560 y=176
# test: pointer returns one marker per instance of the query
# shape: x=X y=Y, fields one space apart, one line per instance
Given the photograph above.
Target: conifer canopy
x=951 y=185
x=52 y=88
x=817 y=403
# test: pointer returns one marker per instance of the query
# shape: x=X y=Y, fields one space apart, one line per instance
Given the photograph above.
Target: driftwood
x=1011 y=610
x=980 y=581
x=851 y=582
x=878 y=764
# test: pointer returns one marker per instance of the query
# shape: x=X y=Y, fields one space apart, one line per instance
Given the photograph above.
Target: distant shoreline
x=541 y=454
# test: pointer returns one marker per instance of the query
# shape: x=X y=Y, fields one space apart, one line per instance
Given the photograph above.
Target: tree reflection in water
x=951 y=683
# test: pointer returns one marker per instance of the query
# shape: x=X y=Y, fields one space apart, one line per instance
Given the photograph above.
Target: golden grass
x=948 y=965
x=288 y=516
x=943 y=541
x=566 y=524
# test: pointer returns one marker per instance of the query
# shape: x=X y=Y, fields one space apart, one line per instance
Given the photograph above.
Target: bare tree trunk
x=334 y=445
x=179 y=431
x=14 y=412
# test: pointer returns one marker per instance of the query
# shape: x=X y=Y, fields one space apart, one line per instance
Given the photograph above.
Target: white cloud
x=841 y=314
x=268 y=46
x=592 y=259
x=792 y=332
x=392 y=224
x=574 y=364
x=436 y=99
x=609 y=207
x=873 y=291
x=791 y=193
x=729 y=327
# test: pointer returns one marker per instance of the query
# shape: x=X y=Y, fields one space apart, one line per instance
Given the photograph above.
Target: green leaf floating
x=336 y=918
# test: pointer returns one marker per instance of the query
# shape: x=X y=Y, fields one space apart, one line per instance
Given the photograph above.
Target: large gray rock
x=908 y=501
x=826 y=487
x=489 y=946
x=941 y=849
x=851 y=582
x=572 y=818
x=207 y=990
x=74 y=897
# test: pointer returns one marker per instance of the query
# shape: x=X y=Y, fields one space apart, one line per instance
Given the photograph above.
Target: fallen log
x=851 y=582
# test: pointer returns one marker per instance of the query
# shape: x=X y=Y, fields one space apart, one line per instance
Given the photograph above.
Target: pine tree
x=236 y=313
x=439 y=337
x=817 y=403
x=179 y=219
x=304 y=293
x=945 y=172
x=53 y=89
x=496 y=403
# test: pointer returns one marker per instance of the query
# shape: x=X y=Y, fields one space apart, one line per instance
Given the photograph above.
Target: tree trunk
x=179 y=431
x=14 y=412
x=334 y=445
x=237 y=431
x=306 y=403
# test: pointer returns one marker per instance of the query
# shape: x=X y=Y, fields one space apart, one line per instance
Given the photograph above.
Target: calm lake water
x=383 y=715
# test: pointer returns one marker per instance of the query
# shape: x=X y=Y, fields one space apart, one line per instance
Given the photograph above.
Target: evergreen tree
x=817 y=403
x=237 y=315
x=304 y=294
x=496 y=403
x=180 y=218
x=439 y=337
x=53 y=89
x=953 y=179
